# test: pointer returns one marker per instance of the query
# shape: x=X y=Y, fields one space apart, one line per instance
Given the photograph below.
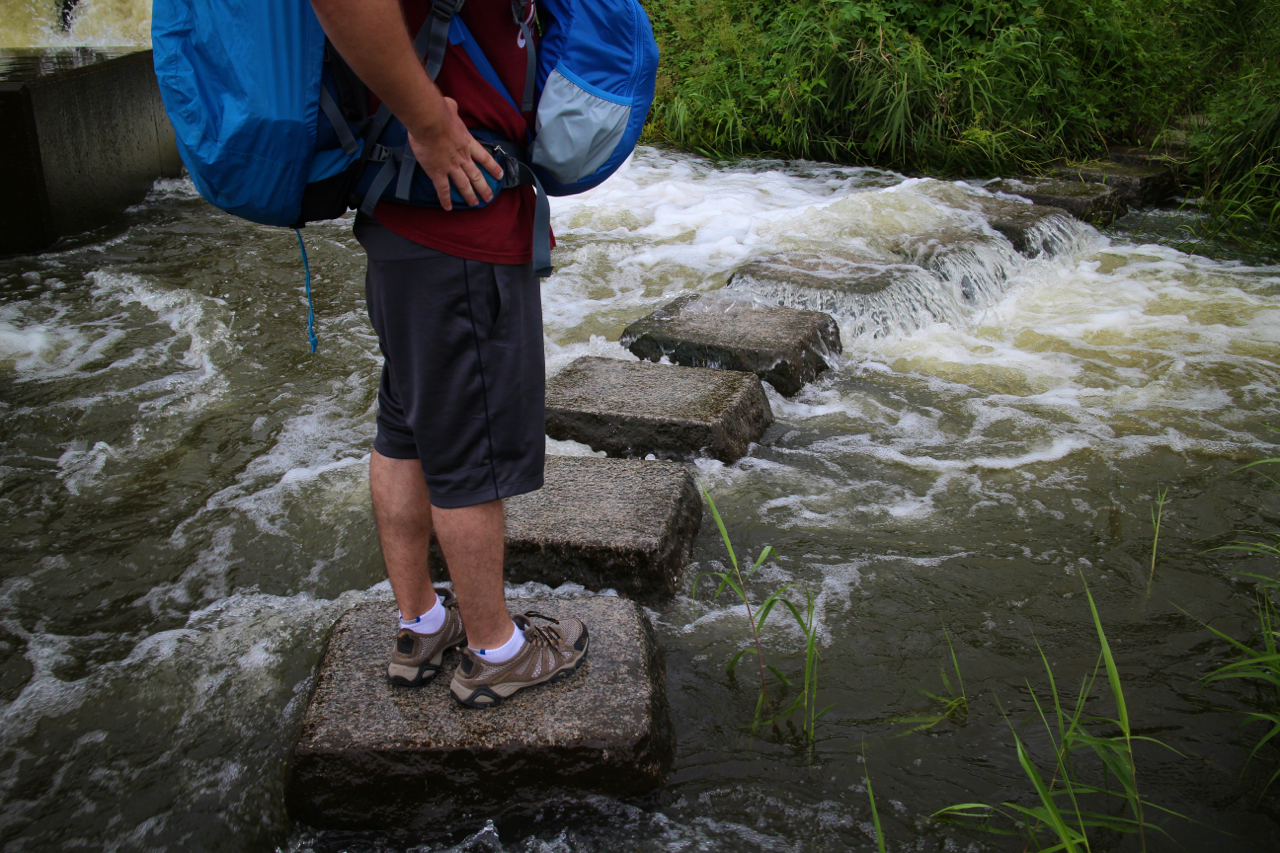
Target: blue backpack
x=273 y=127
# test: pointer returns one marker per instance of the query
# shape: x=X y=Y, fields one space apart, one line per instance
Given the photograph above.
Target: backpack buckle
x=380 y=154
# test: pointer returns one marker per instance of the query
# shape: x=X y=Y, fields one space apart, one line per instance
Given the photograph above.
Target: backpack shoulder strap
x=433 y=38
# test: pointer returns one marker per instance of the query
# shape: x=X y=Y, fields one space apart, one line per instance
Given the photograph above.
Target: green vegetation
x=981 y=86
x=875 y=813
x=952 y=704
x=1068 y=807
x=806 y=701
x=1157 y=515
x=1260 y=666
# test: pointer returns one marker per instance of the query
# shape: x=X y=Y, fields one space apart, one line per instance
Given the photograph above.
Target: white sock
x=507 y=650
x=427 y=623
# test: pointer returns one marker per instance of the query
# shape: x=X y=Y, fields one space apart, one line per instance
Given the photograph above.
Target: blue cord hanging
x=311 y=311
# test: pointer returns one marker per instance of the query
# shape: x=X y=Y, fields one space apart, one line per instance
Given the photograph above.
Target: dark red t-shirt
x=502 y=231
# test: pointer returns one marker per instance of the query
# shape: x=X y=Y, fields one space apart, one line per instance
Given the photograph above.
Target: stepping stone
x=1134 y=184
x=621 y=524
x=1094 y=203
x=1033 y=229
x=635 y=408
x=950 y=276
x=375 y=756
x=79 y=144
x=785 y=347
x=1173 y=153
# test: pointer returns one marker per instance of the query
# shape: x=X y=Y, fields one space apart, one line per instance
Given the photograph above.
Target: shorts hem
x=392 y=452
x=503 y=491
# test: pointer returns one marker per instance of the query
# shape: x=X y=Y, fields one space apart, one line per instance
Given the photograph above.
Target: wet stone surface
x=1091 y=202
x=622 y=524
x=1135 y=184
x=1029 y=227
x=785 y=347
x=637 y=408
x=375 y=756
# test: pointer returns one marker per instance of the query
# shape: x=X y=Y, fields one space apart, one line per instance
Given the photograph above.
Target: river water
x=184 y=494
x=184 y=490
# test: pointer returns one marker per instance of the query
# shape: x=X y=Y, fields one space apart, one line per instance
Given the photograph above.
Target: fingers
x=441 y=183
x=464 y=178
x=453 y=157
x=481 y=155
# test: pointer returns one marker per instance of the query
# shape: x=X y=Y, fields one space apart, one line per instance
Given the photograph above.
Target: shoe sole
x=403 y=675
x=501 y=692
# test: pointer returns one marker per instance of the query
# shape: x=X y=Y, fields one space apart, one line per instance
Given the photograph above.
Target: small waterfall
x=909 y=281
x=75 y=23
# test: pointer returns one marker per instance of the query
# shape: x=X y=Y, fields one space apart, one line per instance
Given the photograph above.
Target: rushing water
x=57 y=23
x=184 y=494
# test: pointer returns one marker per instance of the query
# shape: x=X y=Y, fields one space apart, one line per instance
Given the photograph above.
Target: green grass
x=1157 y=516
x=979 y=86
x=1257 y=665
x=805 y=702
x=950 y=705
x=875 y=813
x=1067 y=808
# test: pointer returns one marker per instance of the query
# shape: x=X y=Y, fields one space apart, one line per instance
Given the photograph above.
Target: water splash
x=58 y=23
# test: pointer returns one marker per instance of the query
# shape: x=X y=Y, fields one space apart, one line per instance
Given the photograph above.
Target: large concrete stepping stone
x=635 y=408
x=785 y=347
x=621 y=524
x=1134 y=184
x=625 y=524
x=375 y=756
x=1095 y=203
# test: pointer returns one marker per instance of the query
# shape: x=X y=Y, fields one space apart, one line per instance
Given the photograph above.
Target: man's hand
x=371 y=36
x=449 y=152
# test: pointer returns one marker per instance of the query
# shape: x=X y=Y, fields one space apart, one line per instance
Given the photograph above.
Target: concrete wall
x=79 y=146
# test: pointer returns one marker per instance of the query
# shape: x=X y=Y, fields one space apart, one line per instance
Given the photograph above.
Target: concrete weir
x=371 y=755
x=635 y=408
x=785 y=347
x=82 y=136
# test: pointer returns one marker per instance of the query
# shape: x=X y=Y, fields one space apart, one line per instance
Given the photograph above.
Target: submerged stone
x=1135 y=184
x=1092 y=202
x=786 y=347
x=79 y=144
x=637 y=408
x=783 y=277
x=376 y=756
x=1033 y=229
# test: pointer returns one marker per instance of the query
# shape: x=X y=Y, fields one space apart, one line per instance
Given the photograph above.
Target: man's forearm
x=372 y=38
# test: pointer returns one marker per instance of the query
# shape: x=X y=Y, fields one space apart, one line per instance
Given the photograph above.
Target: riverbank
x=979 y=87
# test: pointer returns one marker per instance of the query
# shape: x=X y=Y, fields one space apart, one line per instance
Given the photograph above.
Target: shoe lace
x=544 y=635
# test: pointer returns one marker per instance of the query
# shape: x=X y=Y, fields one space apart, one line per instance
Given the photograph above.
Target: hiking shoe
x=550 y=653
x=416 y=658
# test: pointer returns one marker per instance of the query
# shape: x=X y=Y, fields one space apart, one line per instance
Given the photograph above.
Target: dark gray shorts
x=463 y=380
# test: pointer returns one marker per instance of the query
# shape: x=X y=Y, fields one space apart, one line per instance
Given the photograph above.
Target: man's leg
x=471 y=537
x=403 y=513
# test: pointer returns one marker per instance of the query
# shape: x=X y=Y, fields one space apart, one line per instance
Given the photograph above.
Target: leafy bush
x=969 y=86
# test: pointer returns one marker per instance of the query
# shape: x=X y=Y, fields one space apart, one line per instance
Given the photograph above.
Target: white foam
x=96 y=23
